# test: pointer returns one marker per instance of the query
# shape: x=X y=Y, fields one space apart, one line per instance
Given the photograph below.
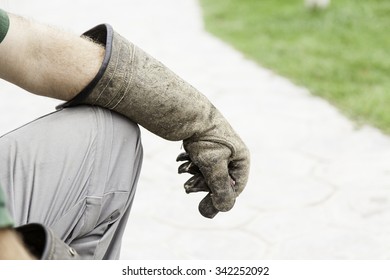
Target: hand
x=217 y=171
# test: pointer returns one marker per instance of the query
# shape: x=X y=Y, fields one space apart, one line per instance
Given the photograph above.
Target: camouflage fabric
x=5 y=218
x=4 y=24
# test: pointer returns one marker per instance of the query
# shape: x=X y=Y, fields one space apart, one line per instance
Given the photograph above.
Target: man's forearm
x=47 y=61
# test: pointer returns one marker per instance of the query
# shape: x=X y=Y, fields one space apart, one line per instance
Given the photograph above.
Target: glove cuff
x=43 y=244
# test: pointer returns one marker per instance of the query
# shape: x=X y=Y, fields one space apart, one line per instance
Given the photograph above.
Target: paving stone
x=226 y=245
x=334 y=243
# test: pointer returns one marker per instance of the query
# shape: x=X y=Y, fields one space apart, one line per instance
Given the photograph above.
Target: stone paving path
x=319 y=186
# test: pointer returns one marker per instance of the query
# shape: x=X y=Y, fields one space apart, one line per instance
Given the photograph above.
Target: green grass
x=341 y=54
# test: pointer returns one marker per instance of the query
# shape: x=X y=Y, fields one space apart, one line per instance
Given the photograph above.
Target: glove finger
x=183 y=157
x=221 y=185
x=239 y=171
x=196 y=184
x=188 y=167
x=207 y=208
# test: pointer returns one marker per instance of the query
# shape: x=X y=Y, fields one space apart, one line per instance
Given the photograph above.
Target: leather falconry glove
x=136 y=85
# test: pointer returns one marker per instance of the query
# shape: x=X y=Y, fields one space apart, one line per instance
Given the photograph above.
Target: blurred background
x=304 y=84
x=336 y=49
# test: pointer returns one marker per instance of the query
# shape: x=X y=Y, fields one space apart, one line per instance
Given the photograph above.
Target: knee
x=110 y=127
x=124 y=129
x=126 y=135
x=120 y=144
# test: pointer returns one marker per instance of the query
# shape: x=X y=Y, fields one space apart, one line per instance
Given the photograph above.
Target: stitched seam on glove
x=132 y=51
x=108 y=82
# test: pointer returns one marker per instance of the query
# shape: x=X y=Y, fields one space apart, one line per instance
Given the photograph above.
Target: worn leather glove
x=134 y=84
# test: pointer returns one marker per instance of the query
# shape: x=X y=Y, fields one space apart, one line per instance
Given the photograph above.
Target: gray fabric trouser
x=76 y=171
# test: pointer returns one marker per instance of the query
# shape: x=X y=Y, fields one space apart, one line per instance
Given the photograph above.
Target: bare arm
x=47 y=61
